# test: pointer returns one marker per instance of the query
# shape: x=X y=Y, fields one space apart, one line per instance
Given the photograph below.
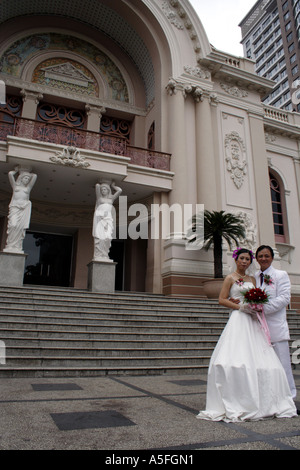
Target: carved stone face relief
x=235 y=153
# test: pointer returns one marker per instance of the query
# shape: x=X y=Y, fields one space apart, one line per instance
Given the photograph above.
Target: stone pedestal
x=101 y=276
x=12 y=267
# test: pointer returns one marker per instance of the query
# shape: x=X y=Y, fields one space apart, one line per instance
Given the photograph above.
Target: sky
x=220 y=19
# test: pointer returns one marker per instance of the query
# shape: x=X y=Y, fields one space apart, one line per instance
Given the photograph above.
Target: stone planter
x=212 y=288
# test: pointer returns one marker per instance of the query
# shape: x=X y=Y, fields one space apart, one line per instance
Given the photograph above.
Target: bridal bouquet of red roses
x=256 y=297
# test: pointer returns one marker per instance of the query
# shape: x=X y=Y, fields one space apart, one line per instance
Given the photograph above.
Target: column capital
x=94 y=109
x=31 y=95
x=197 y=92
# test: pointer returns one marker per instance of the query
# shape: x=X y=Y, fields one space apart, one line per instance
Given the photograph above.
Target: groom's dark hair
x=262 y=247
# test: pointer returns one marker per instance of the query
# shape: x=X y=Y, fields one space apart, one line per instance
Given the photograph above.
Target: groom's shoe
x=298 y=412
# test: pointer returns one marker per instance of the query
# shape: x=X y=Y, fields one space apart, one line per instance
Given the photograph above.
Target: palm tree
x=219 y=226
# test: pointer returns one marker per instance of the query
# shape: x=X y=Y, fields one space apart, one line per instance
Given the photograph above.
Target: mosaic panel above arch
x=20 y=52
x=66 y=74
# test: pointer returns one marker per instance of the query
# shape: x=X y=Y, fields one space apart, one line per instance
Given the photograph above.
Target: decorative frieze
x=199 y=72
x=234 y=90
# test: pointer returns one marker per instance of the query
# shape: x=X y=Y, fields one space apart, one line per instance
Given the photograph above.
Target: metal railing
x=82 y=139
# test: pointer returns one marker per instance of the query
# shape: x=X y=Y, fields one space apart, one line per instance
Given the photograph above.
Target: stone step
x=146 y=318
x=111 y=334
x=90 y=297
x=72 y=306
x=103 y=352
x=103 y=361
x=80 y=371
x=50 y=332
x=69 y=342
x=106 y=319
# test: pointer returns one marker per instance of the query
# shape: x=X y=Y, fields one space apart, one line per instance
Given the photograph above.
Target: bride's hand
x=245 y=308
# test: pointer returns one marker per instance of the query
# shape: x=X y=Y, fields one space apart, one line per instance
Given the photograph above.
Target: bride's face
x=243 y=261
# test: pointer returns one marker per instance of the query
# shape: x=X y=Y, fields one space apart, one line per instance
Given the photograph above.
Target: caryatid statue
x=19 y=208
x=103 y=224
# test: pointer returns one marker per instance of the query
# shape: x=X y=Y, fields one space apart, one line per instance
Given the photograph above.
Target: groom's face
x=264 y=259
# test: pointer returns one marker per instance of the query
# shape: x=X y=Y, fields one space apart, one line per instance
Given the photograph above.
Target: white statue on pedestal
x=19 y=208
x=103 y=224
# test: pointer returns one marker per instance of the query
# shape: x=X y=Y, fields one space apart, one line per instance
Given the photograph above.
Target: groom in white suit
x=277 y=284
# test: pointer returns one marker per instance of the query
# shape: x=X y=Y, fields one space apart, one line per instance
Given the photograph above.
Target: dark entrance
x=48 y=259
x=117 y=254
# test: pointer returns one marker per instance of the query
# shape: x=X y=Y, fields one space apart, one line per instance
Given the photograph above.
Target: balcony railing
x=99 y=142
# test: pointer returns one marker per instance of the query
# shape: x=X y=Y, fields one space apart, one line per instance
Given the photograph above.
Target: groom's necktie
x=261 y=279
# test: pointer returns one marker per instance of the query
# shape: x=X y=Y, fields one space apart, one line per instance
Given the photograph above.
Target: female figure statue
x=19 y=209
x=103 y=223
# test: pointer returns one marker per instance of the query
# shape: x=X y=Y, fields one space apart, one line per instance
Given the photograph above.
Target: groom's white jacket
x=279 y=298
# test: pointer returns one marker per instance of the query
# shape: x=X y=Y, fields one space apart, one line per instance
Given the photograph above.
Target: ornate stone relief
x=186 y=89
x=31 y=95
x=196 y=92
x=199 y=72
x=235 y=156
x=171 y=87
x=213 y=99
x=234 y=90
x=171 y=15
x=250 y=228
x=70 y=156
x=269 y=138
x=66 y=72
x=178 y=17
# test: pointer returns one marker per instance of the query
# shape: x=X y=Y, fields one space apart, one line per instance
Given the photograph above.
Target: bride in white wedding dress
x=246 y=380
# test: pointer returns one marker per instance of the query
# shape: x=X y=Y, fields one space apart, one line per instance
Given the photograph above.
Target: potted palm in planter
x=218 y=226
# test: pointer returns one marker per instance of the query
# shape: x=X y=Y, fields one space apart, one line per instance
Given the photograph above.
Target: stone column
x=30 y=101
x=206 y=170
x=177 y=147
x=297 y=173
x=261 y=181
x=94 y=115
x=29 y=110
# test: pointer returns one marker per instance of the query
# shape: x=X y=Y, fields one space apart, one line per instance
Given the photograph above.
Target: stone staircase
x=52 y=332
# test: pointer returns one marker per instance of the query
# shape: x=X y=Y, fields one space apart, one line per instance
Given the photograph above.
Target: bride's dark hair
x=239 y=251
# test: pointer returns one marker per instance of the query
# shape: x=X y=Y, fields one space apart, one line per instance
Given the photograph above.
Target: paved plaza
x=153 y=413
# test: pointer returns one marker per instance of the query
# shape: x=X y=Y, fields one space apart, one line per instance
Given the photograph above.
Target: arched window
x=55 y=114
x=278 y=209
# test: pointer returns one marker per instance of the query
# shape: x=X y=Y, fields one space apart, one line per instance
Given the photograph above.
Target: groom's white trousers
x=283 y=352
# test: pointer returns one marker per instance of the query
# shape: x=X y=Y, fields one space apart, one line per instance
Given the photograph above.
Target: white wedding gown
x=246 y=380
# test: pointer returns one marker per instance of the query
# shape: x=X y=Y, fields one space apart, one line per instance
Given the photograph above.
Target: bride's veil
x=251 y=270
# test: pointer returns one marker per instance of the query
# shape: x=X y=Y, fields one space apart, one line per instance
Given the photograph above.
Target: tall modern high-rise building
x=270 y=36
